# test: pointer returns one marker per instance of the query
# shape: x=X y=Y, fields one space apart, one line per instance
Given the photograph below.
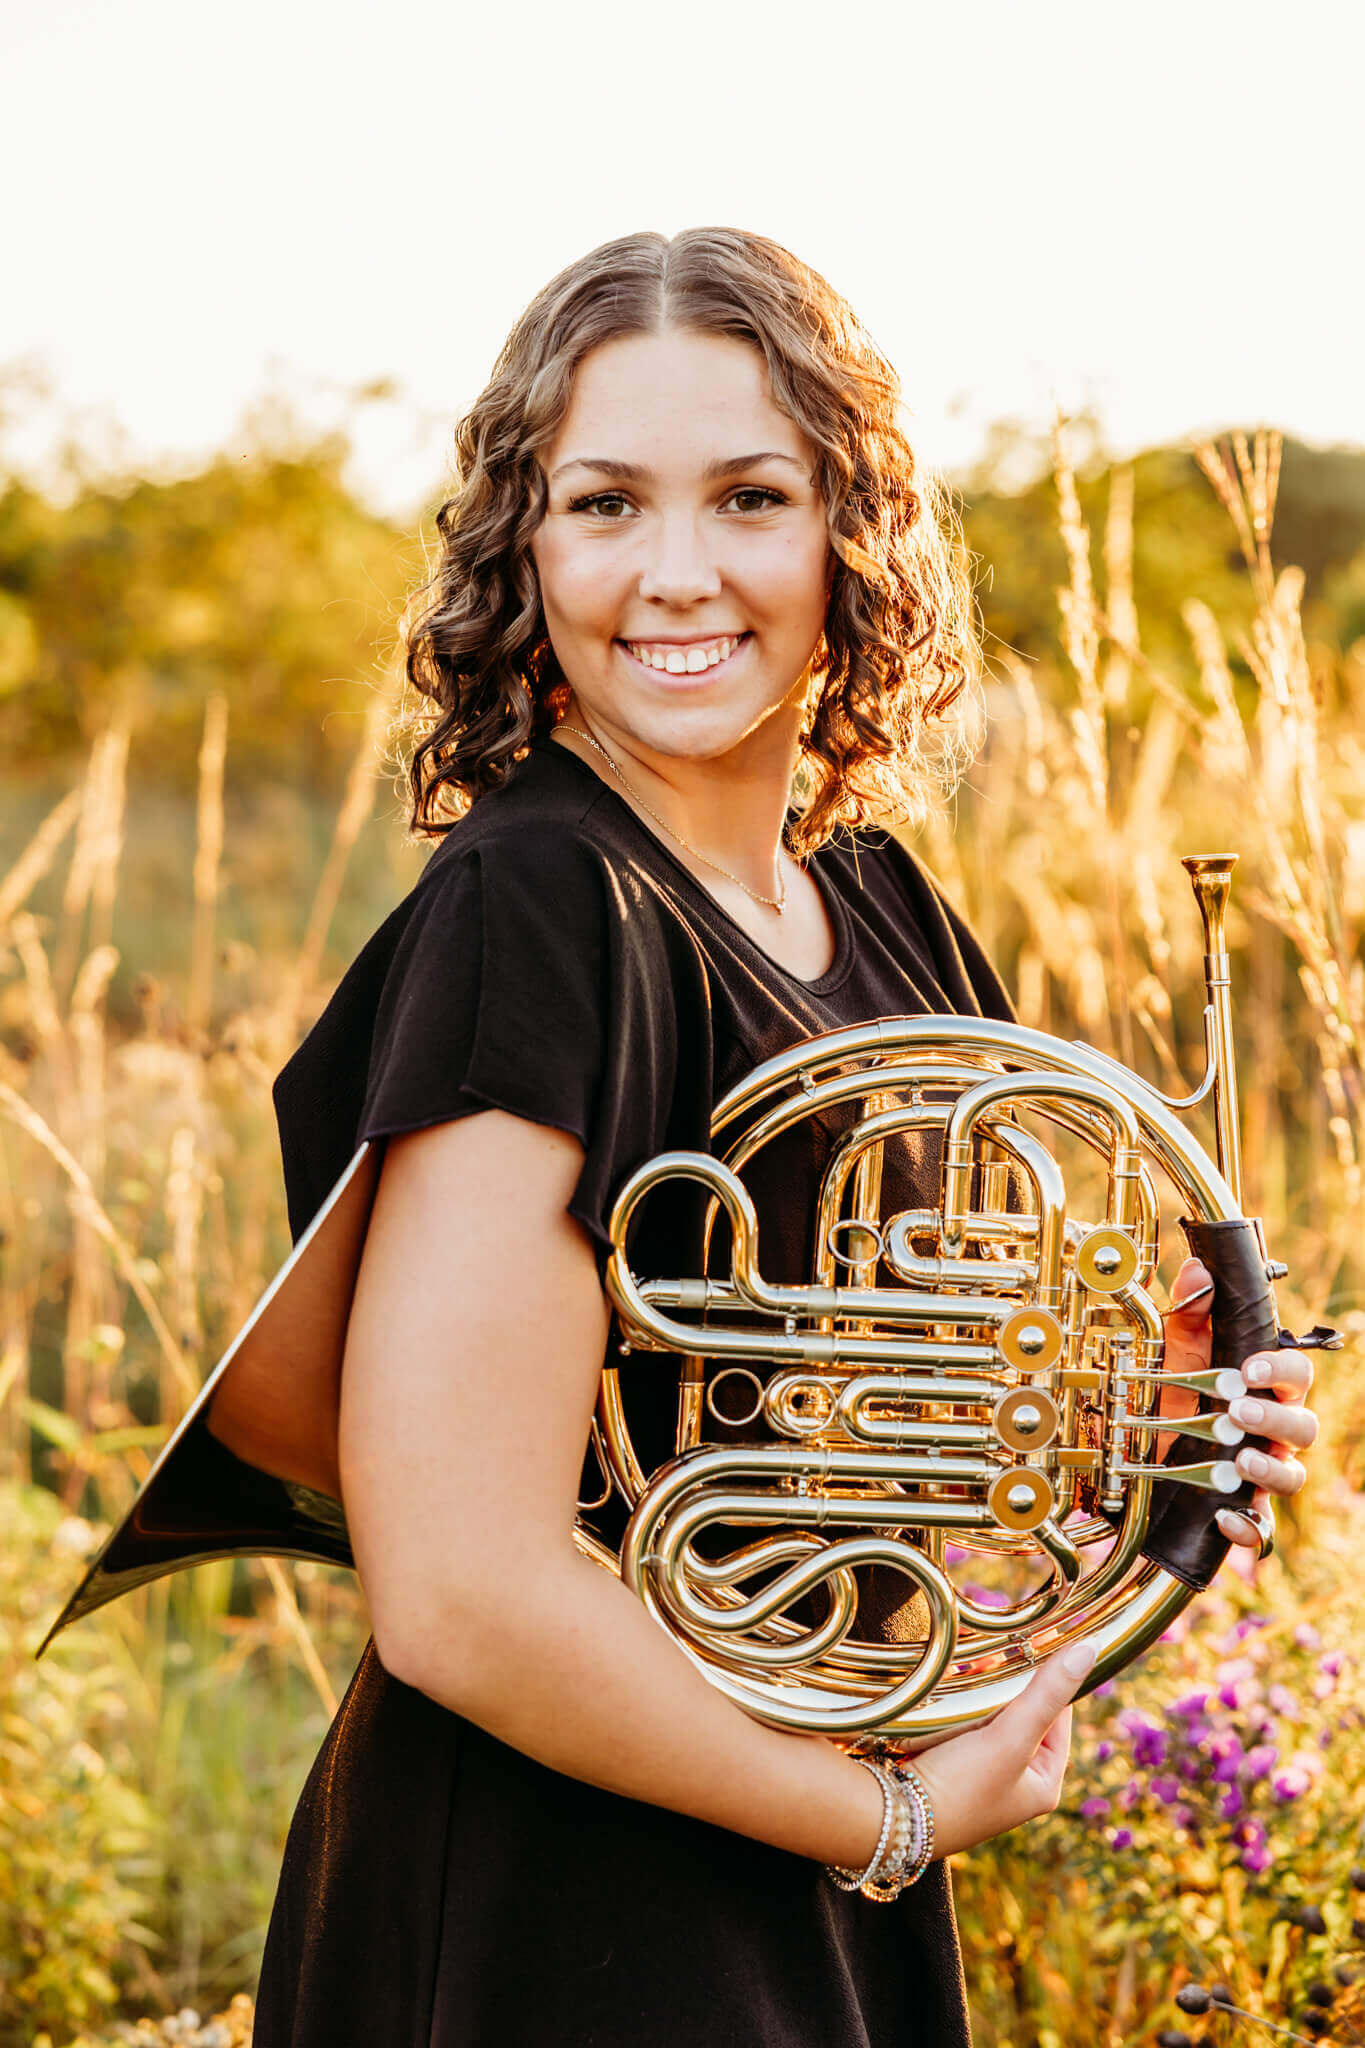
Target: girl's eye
x=599 y=500
x=758 y=491
x=593 y=503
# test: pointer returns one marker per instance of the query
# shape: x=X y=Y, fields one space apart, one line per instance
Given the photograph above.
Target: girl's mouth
x=685 y=664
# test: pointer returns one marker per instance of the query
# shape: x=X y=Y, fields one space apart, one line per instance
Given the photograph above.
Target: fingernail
x=1252 y=1462
x=1078 y=1659
x=1257 y=1371
x=1249 y=1411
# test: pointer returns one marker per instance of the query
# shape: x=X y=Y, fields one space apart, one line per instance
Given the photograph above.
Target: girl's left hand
x=1273 y=1408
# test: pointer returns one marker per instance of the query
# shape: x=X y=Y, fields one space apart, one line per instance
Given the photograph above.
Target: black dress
x=440 y=1889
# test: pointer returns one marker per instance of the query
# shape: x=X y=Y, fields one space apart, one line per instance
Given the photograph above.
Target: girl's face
x=684 y=560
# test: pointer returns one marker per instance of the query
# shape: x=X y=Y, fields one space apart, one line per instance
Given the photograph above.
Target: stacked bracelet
x=854 y=1880
x=914 y=1784
x=905 y=1845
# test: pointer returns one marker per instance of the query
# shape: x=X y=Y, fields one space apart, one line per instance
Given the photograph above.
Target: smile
x=685 y=661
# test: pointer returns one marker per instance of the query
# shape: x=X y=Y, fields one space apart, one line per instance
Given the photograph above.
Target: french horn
x=979 y=1380
x=984 y=1374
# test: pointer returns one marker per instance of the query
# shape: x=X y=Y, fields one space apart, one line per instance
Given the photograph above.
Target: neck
x=729 y=807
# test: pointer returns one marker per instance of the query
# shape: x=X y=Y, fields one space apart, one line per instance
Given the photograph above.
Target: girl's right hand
x=1010 y=1769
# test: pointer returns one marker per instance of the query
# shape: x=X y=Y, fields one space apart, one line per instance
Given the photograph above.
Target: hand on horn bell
x=1274 y=1408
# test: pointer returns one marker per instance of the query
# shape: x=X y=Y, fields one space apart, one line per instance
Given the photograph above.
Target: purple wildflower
x=1232 y=1803
x=1256 y=1856
x=1239 y=1632
x=1307 y=1637
x=1130 y=1795
x=1245 y=1692
x=1284 y=1703
x=1192 y=1703
x=1260 y=1761
x=1227 y=1753
x=1122 y=1838
x=1149 y=1748
x=1103 y=1689
x=1190 y=1768
x=1324 y=1737
x=1094 y=1809
x=1332 y=1663
x=1248 y=1831
x=1290 y=1781
x=1238 y=1685
x=1166 y=1789
x=1103 y=1752
x=1149 y=1742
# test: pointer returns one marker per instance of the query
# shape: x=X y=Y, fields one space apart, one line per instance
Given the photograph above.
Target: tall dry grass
x=1066 y=852
x=142 y=1211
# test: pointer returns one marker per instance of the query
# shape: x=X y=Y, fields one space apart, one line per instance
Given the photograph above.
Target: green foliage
x=80 y=1847
x=1182 y=544
x=276 y=843
x=149 y=1763
x=1214 y=1792
x=261 y=577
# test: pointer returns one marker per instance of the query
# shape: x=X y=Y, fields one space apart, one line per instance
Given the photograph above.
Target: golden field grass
x=149 y=1765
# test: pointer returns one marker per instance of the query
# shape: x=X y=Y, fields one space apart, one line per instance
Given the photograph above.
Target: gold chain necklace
x=777 y=903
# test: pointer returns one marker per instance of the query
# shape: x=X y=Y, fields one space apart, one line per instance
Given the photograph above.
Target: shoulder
x=903 y=885
x=877 y=864
x=549 y=851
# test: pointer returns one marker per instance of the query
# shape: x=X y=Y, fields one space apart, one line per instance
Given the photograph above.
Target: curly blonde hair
x=901 y=644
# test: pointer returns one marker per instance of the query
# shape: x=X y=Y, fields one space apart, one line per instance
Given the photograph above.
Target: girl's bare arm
x=470 y=1374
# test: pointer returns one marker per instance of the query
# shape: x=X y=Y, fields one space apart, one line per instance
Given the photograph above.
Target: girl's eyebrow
x=636 y=473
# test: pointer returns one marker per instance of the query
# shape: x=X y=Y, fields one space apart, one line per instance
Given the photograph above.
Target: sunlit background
x=1149 y=212
x=256 y=261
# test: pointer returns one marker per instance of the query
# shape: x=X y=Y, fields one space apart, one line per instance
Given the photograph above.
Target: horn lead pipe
x=1211 y=879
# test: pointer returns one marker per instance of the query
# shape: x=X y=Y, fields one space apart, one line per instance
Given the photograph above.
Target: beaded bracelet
x=905 y=1845
x=922 y=1855
x=886 y=1882
x=891 y=1841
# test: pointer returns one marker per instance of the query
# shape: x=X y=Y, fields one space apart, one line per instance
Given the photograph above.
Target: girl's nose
x=679 y=567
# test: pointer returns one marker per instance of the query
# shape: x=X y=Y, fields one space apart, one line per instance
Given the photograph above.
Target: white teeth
x=677 y=661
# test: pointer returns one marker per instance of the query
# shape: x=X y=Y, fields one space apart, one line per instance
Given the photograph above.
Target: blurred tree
x=261 y=577
x=1182 y=542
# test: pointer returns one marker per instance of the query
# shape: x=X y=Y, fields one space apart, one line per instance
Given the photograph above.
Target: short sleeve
x=966 y=974
x=537 y=975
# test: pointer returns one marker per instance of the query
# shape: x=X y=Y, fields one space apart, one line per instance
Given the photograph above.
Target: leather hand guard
x=1182 y=1535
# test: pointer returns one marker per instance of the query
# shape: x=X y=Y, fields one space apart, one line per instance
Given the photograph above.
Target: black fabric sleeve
x=534 y=977
x=985 y=982
x=966 y=975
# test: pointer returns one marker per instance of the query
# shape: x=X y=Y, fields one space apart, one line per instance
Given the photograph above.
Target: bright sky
x=1153 y=209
